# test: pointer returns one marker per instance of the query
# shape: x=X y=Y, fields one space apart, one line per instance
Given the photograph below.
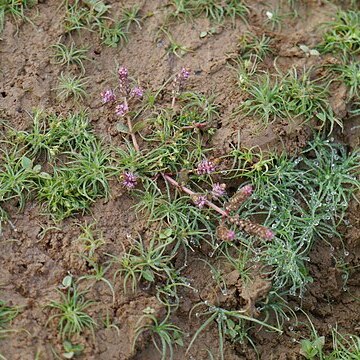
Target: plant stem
x=129 y=124
x=191 y=193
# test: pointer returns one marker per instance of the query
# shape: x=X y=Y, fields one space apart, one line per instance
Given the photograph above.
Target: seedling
x=70 y=86
x=7 y=314
x=94 y=16
x=343 y=34
x=64 y=55
x=89 y=241
x=71 y=313
x=144 y=263
x=345 y=346
x=226 y=324
x=17 y=176
x=252 y=45
x=114 y=34
x=175 y=48
x=131 y=16
x=16 y=8
x=350 y=75
x=167 y=333
x=71 y=350
x=274 y=18
x=98 y=274
x=217 y=11
x=182 y=9
x=289 y=96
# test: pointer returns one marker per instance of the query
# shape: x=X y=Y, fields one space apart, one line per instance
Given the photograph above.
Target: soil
x=34 y=262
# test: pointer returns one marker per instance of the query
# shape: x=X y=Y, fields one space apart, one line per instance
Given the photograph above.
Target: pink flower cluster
x=246 y=190
x=121 y=109
x=108 y=96
x=181 y=78
x=129 y=180
x=136 y=92
x=218 y=190
x=205 y=167
x=199 y=200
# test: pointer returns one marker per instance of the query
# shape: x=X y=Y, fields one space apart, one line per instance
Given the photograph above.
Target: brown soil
x=34 y=264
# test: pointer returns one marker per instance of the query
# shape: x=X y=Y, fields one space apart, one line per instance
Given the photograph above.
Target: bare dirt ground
x=33 y=264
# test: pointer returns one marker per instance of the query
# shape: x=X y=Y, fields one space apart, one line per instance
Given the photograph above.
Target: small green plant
x=182 y=9
x=274 y=18
x=263 y=102
x=251 y=45
x=98 y=272
x=343 y=34
x=71 y=86
x=292 y=95
x=89 y=241
x=217 y=10
x=345 y=347
x=230 y=323
x=16 y=8
x=174 y=48
x=304 y=199
x=311 y=348
x=145 y=263
x=16 y=176
x=7 y=314
x=113 y=35
x=94 y=15
x=79 y=166
x=239 y=261
x=131 y=16
x=71 y=313
x=64 y=55
x=350 y=74
x=163 y=331
x=71 y=350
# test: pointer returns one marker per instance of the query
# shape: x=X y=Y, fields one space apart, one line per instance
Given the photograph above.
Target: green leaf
x=26 y=162
x=67 y=281
x=319 y=342
x=179 y=341
x=203 y=34
x=45 y=175
x=304 y=48
x=314 y=52
x=139 y=126
x=321 y=116
x=68 y=355
x=122 y=128
x=37 y=168
x=166 y=233
x=148 y=275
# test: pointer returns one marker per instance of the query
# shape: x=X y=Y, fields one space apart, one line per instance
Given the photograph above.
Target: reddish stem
x=129 y=124
x=191 y=193
x=194 y=126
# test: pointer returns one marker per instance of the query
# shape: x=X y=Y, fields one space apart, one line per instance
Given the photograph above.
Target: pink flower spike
x=137 y=92
x=231 y=235
x=205 y=167
x=108 y=96
x=184 y=74
x=268 y=234
x=129 y=180
x=247 y=190
x=123 y=73
x=218 y=190
x=199 y=200
x=121 y=109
